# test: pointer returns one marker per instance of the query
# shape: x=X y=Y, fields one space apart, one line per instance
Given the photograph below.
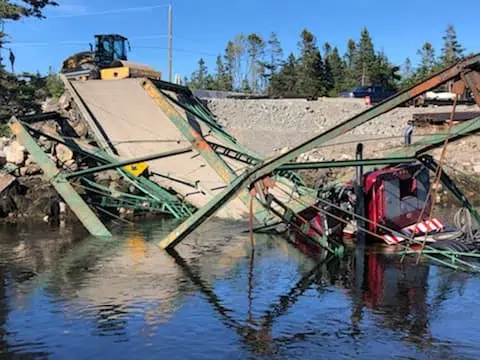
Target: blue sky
x=202 y=28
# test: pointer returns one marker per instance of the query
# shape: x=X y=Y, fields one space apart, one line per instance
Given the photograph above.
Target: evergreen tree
x=328 y=73
x=364 y=59
x=20 y=94
x=230 y=63
x=275 y=53
x=384 y=73
x=223 y=80
x=350 y=54
x=311 y=72
x=284 y=82
x=241 y=63
x=200 y=79
x=452 y=51
x=408 y=74
x=256 y=51
x=407 y=69
x=349 y=80
x=338 y=69
x=428 y=61
x=273 y=61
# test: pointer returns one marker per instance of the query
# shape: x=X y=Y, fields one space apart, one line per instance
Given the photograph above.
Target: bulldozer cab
x=110 y=48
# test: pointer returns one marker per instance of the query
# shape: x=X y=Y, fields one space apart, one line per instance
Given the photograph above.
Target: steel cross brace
x=290 y=216
x=268 y=167
x=86 y=216
x=348 y=163
x=431 y=164
x=156 y=192
x=122 y=163
x=195 y=107
x=201 y=145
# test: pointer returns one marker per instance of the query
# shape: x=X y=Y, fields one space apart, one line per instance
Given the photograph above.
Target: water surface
x=64 y=295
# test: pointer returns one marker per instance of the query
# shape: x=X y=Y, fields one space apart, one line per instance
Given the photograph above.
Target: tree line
x=22 y=94
x=255 y=65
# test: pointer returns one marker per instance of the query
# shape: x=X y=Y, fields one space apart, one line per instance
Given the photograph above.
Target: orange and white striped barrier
x=424 y=227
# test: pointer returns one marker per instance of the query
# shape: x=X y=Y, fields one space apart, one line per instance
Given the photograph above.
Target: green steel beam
x=189 y=225
x=152 y=189
x=268 y=167
x=204 y=149
x=193 y=106
x=348 y=163
x=431 y=83
x=431 y=164
x=122 y=163
x=459 y=131
x=61 y=185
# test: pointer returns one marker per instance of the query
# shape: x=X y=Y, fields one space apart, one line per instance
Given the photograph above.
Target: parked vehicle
x=376 y=93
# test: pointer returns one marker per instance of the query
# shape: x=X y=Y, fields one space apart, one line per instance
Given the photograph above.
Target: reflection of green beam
x=120 y=164
x=61 y=185
x=347 y=163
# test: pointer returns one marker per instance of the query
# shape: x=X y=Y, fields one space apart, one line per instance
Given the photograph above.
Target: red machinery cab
x=394 y=197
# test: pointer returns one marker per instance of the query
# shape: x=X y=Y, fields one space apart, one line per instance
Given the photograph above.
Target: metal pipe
x=360 y=204
x=170 y=42
x=123 y=163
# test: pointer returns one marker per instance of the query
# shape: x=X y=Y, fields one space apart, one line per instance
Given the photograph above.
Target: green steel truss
x=267 y=168
x=153 y=199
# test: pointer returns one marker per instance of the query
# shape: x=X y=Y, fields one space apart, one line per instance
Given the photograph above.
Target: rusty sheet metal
x=473 y=81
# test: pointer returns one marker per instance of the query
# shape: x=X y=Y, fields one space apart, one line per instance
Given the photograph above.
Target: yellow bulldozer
x=106 y=60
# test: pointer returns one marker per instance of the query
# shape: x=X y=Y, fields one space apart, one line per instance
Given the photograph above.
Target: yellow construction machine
x=107 y=61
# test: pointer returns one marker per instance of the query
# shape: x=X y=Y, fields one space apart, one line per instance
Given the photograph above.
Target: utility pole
x=170 y=43
x=2 y=30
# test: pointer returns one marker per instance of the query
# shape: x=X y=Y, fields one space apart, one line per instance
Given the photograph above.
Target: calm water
x=67 y=296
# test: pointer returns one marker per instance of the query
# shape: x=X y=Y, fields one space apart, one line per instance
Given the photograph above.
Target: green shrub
x=54 y=86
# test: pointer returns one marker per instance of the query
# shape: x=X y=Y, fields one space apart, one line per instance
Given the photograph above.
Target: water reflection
x=214 y=297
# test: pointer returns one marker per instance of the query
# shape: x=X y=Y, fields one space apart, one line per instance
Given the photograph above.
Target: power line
x=108 y=12
x=77 y=42
x=176 y=50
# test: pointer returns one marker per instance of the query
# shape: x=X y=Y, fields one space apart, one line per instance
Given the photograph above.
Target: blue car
x=377 y=93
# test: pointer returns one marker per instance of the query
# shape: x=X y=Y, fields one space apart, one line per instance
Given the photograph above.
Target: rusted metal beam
x=360 y=119
x=472 y=80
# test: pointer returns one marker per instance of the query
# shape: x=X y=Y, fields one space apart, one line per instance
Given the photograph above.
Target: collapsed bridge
x=144 y=126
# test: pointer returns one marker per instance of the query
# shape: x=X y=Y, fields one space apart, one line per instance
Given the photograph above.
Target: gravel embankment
x=268 y=126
